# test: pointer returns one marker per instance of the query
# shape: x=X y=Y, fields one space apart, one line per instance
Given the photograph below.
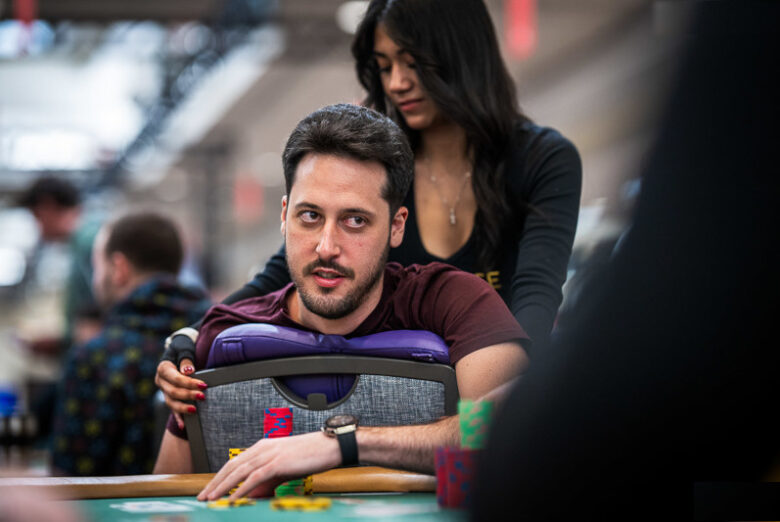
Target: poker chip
x=235 y=452
x=232 y=453
x=301 y=503
x=277 y=422
x=292 y=487
x=226 y=503
x=455 y=470
x=474 y=418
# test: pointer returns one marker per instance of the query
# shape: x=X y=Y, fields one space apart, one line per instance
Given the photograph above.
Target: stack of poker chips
x=456 y=466
x=277 y=422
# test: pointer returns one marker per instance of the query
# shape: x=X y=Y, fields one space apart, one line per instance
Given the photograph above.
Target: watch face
x=337 y=421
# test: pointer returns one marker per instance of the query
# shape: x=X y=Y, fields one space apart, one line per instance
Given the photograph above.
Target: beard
x=317 y=301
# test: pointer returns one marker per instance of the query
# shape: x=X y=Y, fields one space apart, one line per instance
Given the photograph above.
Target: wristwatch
x=343 y=428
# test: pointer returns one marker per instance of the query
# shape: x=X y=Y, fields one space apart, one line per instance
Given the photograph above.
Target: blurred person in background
x=56 y=205
x=57 y=208
x=493 y=193
x=659 y=401
x=104 y=418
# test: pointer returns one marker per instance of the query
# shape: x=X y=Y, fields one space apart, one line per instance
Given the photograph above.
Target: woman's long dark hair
x=458 y=62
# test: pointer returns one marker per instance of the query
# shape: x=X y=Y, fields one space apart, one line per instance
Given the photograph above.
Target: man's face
x=56 y=222
x=338 y=233
x=102 y=268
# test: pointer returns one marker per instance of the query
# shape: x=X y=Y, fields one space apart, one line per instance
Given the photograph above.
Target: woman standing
x=493 y=194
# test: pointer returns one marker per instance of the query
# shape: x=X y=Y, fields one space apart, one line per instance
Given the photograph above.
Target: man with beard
x=104 y=420
x=347 y=171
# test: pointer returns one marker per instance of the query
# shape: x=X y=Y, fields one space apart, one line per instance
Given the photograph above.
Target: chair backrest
x=382 y=391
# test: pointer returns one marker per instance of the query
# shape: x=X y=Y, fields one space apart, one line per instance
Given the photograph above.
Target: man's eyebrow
x=350 y=210
x=358 y=210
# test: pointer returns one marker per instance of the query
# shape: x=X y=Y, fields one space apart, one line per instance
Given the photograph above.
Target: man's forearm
x=407 y=447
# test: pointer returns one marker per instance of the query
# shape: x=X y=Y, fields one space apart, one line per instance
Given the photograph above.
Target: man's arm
x=174 y=455
x=272 y=461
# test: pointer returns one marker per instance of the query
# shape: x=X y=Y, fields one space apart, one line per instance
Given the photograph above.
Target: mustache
x=332 y=265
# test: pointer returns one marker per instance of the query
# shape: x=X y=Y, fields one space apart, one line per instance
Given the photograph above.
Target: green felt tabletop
x=406 y=506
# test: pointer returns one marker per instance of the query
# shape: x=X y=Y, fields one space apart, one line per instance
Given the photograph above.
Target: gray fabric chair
x=386 y=392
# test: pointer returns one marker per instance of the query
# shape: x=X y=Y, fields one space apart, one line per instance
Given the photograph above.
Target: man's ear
x=284 y=214
x=121 y=270
x=397 y=226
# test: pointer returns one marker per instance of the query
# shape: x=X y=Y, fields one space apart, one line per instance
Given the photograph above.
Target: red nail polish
x=200 y=396
x=191 y=409
x=188 y=370
x=202 y=385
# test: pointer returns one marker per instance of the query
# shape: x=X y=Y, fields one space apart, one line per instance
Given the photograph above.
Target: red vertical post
x=520 y=25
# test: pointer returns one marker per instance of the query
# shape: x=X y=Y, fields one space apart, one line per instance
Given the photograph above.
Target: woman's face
x=401 y=84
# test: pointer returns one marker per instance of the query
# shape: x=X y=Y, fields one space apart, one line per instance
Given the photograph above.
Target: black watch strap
x=349 y=448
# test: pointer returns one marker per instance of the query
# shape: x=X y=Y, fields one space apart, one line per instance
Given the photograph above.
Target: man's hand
x=178 y=387
x=269 y=462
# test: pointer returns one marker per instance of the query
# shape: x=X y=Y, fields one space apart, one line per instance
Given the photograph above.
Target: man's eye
x=383 y=68
x=356 y=221
x=308 y=216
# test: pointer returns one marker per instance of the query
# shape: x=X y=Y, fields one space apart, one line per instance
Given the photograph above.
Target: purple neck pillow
x=259 y=341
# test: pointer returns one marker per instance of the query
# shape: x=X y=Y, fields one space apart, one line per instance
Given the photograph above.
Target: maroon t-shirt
x=458 y=306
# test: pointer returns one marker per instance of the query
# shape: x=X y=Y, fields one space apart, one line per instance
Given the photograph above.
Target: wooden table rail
x=363 y=479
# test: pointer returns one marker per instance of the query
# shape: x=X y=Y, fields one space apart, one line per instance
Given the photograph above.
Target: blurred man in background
x=56 y=205
x=104 y=419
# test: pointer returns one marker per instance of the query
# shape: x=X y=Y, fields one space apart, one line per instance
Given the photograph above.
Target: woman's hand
x=175 y=383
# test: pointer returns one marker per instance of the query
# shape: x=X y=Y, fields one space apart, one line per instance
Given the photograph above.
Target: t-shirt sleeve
x=549 y=187
x=173 y=427
x=464 y=310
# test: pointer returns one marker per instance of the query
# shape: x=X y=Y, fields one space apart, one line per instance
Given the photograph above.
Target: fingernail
x=181 y=425
x=200 y=396
x=191 y=409
x=202 y=385
x=188 y=369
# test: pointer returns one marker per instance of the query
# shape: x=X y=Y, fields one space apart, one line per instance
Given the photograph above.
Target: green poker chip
x=474 y=417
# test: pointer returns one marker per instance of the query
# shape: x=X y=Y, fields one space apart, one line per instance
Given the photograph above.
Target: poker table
x=354 y=493
x=389 y=506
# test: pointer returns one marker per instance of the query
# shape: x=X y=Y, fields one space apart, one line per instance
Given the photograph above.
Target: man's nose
x=328 y=246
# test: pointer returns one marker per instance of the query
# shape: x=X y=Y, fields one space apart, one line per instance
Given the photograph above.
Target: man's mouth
x=327 y=277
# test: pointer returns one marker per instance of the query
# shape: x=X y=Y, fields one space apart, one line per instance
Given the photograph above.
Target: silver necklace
x=450 y=208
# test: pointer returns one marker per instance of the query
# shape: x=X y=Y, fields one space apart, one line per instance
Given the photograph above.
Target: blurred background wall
x=185 y=106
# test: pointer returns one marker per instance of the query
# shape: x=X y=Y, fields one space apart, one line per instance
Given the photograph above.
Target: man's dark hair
x=358 y=133
x=150 y=241
x=49 y=188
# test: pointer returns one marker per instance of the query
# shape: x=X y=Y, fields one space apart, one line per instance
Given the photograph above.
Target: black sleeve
x=273 y=277
x=546 y=179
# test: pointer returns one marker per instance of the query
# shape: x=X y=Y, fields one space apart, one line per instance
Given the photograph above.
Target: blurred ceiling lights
x=85 y=90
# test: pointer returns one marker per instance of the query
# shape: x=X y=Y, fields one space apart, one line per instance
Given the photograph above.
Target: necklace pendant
x=452 y=216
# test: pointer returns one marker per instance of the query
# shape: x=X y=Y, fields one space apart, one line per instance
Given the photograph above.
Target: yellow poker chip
x=235 y=452
x=301 y=503
x=225 y=503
